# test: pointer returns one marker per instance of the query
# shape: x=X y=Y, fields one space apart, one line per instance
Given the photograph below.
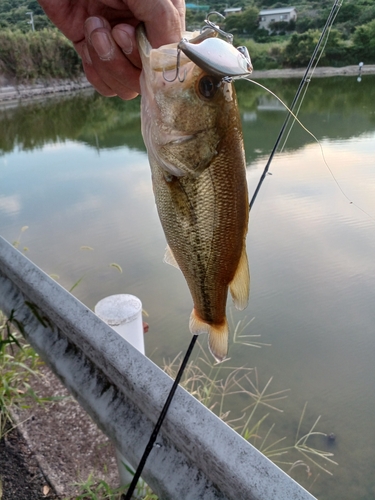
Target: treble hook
x=177 y=75
x=210 y=24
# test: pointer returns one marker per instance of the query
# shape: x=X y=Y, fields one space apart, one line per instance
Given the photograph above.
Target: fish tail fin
x=217 y=335
x=218 y=341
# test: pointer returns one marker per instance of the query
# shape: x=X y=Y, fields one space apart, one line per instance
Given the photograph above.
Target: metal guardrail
x=197 y=456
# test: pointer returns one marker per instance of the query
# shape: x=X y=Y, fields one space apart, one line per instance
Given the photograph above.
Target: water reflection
x=75 y=171
x=110 y=123
x=87 y=119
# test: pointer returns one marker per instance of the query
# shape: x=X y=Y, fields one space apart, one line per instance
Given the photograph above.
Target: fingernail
x=124 y=41
x=85 y=54
x=103 y=45
x=91 y=24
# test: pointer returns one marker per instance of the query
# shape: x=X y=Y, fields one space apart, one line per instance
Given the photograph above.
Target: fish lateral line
x=316 y=140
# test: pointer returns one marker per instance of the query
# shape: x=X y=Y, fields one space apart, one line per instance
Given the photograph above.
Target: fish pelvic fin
x=240 y=285
x=217 y=335
x=169 y=258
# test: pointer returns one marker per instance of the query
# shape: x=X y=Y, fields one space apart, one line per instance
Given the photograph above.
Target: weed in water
x=222 y=387
x=17 y=242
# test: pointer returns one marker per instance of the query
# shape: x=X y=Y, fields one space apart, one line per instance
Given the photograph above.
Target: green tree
x=299 y=49
x=246 y=22
x=364 y=42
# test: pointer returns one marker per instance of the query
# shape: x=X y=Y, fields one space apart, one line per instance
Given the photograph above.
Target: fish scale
x=195 y=149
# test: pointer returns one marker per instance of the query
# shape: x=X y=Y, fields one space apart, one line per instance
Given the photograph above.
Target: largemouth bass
x=193 y=135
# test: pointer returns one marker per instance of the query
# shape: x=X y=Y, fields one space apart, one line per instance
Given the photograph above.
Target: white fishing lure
x=218 y=57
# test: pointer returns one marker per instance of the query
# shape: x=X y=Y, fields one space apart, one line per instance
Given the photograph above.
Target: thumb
x=164 y=19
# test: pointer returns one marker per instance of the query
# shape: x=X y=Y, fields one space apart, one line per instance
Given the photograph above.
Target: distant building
x=197 y=7
x=232 y=10
x=286 y=14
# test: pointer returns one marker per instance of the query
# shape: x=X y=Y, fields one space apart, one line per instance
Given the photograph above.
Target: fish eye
x=208 y=86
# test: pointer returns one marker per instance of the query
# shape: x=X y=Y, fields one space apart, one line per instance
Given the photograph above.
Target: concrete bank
x=319 y=72
x=11 y=92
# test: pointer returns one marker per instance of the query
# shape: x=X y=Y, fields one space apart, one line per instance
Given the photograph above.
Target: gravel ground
x=21 y=476
x=54 y=446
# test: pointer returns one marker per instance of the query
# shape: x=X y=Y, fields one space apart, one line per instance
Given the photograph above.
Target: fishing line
x=159 y=423
x=176 y=382
x=308 y=81
x=305 y=79
x=313 y=136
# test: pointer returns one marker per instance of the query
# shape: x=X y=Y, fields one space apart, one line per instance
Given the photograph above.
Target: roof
x=196 y=6
x=270 y=12
x=233 y=9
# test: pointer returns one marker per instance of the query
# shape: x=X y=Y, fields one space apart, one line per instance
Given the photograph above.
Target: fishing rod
x=160 y=421
x=153 y=437
x=305 y=81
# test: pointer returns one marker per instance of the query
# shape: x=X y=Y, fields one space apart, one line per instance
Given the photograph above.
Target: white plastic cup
x=123 y=313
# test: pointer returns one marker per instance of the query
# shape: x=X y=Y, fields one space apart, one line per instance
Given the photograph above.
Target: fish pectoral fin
x=217 y=335
x=169 y=258
x=240 y=285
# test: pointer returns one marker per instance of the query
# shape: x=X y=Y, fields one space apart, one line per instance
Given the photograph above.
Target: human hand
x=103 y=33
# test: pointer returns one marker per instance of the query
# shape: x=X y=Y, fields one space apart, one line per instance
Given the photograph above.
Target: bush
x=261 y=35
x=40 y=54
x=265 y=55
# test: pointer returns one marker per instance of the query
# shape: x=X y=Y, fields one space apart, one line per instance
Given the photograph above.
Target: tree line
x=28 y=55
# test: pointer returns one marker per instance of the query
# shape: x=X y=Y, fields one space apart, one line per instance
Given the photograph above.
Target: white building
x=232 y=10
x=266 y=17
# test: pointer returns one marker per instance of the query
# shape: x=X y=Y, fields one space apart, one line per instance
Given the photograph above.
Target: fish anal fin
x=217 y=335
x=196 y=325
x=169 y=258
x=240 y=285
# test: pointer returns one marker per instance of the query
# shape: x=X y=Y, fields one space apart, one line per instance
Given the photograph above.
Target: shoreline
x=12 y=93
x=319 y=72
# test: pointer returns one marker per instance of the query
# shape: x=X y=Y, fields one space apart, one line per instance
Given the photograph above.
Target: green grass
x=265 y=55
x=98 y=489
x=18 y=363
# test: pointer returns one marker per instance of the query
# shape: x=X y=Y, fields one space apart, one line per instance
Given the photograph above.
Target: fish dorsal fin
x=169 y=258
x=239 y=286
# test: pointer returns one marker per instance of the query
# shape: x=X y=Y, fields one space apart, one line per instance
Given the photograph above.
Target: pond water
x=75 y=171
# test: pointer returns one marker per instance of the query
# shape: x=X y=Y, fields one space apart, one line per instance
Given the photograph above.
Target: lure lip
x=217 y=57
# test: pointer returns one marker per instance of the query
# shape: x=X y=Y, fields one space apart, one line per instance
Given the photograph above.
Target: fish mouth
x=144 y=45
x=159 y=60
